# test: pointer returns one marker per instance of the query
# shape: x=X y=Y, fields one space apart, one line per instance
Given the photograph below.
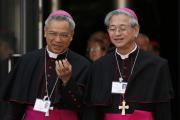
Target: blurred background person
x=143 y=41
x=146 y=44
x=6 y=50
x=101 y=35
x=5 y=53
x=155 y=47
x=96 y=49
x=6 y=40
x=97 y=46
x=105 y=37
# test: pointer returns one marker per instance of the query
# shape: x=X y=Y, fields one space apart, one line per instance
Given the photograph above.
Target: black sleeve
x=72 y=95
x=93 y=113
x=11 y=111
x=162 y=111
x=89 y=113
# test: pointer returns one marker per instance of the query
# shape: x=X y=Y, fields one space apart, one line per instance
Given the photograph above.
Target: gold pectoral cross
x=47 y=113
x=124 y=107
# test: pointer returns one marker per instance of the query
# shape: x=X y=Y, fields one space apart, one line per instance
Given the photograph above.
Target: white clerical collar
x=51 y=54
x=127 y=55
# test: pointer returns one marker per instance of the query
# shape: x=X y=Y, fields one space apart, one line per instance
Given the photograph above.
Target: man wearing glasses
x=128 y=83
x=48 y=84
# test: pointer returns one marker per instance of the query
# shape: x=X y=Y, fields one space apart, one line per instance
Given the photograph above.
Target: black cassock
x=149 y=87
x=27 y=82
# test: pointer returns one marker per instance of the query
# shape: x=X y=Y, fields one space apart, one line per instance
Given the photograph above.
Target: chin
x=56 y=51
x=119 y=45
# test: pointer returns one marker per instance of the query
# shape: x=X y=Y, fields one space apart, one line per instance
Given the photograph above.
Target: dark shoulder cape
x=23 y=81
x=150 y=81
x=20 y=84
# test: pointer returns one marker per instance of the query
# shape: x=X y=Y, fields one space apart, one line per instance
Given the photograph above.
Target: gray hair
x=61 y=18
x=133 y=21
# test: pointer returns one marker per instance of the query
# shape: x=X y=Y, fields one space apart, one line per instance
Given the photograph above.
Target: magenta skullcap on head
x=131 y=12
x=60 y=13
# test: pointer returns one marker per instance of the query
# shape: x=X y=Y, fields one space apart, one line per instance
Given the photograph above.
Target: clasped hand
x=64 y=70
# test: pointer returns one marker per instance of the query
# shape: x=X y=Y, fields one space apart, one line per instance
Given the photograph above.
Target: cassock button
x=49 y=75
x=124 y=67
x=50 y=67
x=69 y=92
x=74 y=99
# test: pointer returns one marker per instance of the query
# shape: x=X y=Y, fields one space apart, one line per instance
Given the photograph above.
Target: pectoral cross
x=47 y=113
x=124 y=107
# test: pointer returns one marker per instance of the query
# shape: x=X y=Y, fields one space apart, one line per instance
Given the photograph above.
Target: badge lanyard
x=132 y=69
x=121 y=86
x=44 y=105
x=46 y=90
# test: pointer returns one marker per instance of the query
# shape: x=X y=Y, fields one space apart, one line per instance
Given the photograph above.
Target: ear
x=136 y=31
x=72 y=34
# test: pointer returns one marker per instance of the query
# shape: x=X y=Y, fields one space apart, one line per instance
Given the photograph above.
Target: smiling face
x=121 y=34
x=58 y=36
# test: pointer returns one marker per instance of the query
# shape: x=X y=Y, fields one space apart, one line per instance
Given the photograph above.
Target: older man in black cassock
x=48 y=83
x=128 y=83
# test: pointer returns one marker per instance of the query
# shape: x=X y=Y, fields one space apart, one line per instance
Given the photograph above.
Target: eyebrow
x=56 y=32
x=118 y=25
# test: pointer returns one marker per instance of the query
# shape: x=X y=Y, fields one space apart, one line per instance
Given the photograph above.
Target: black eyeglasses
x=63 y=35
x=122 y=28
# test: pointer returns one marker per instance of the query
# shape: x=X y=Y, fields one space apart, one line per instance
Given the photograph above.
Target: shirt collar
x=51 y=54
x=126 y=55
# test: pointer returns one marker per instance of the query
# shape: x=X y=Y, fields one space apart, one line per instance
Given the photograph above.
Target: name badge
x=42 y=105
x=118 y=87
